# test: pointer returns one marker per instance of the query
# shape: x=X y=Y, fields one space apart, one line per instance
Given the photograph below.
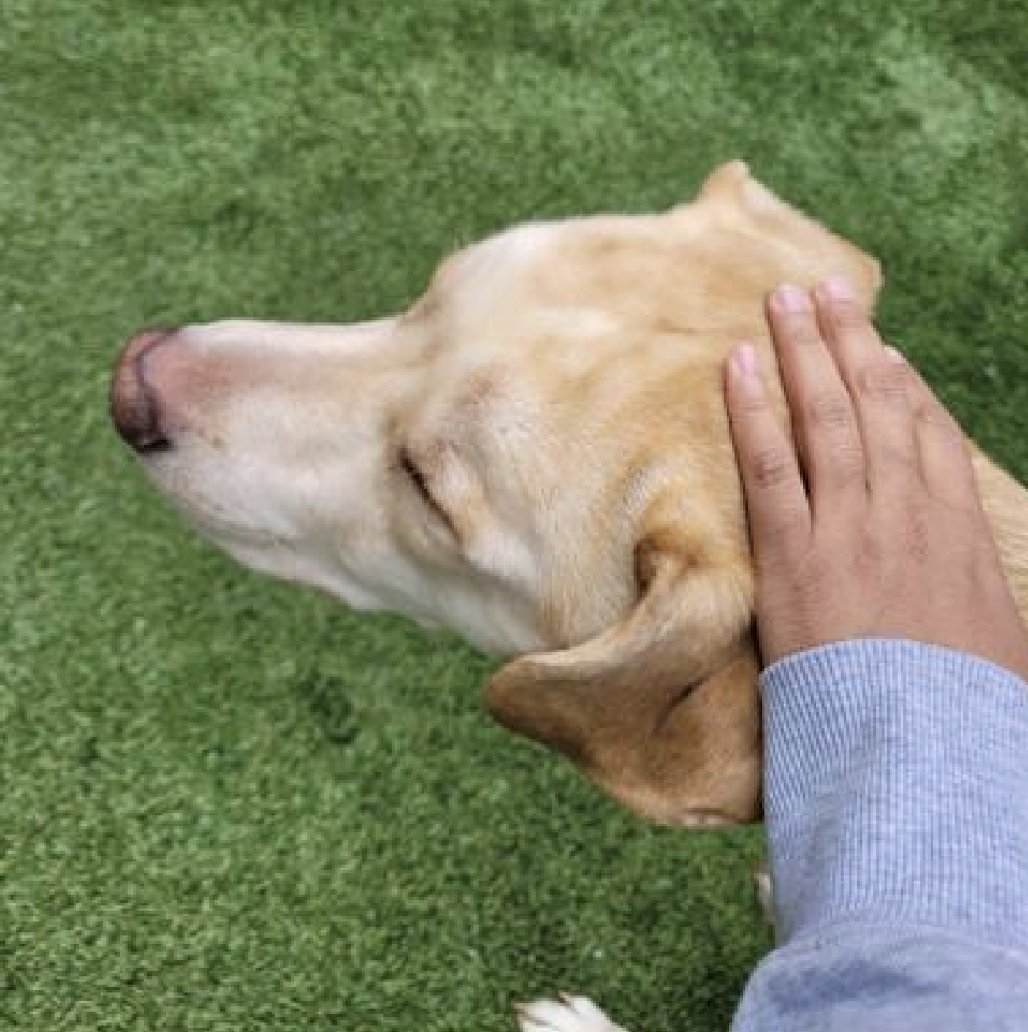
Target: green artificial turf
x=228 y=804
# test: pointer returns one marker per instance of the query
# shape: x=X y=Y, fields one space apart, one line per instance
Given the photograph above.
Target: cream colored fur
x=536 y=454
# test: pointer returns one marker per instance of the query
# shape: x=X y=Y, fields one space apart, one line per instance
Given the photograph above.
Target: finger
x=825 y=424
x=943 y=450
x=877 y=382
x=776 y=501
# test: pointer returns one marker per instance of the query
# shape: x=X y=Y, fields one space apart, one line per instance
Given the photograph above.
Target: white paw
x=765 y=893
x=568 y=1014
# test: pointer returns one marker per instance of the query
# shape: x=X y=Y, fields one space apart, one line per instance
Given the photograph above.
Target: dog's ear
x=733 y=183
x=662 y=709
x=806 y=251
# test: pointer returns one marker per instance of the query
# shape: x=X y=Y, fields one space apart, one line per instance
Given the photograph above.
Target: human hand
x=888 y=538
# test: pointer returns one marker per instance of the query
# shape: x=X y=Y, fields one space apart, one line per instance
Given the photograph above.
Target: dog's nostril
x=134 y=403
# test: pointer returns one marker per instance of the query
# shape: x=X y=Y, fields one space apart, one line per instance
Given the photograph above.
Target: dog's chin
x=279 y=559
x=227 y=512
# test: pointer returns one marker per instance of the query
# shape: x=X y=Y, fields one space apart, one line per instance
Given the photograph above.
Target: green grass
x=229 y=805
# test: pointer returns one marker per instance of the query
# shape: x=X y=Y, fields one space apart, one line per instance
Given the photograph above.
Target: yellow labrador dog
x=535 y=454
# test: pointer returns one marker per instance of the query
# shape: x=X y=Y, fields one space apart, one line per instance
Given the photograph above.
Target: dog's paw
x=566 y=1014
x=765 y=893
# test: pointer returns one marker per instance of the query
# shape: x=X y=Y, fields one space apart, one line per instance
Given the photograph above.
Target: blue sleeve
x=896 y=804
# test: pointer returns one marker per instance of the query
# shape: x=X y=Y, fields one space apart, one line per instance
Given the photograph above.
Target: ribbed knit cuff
x=896 y=789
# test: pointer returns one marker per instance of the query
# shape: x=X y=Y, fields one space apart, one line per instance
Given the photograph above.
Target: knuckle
x=848 y=316
x=748 y=403
x=770 y=468
x=802 y=332
x=885 y=381
x=829 y=412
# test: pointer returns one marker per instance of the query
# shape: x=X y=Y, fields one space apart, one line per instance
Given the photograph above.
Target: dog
x=535 y=454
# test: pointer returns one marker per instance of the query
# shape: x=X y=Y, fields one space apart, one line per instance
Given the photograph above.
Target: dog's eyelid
x=415 y=474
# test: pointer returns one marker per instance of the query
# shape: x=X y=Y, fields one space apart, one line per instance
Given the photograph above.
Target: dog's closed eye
x=419 y=480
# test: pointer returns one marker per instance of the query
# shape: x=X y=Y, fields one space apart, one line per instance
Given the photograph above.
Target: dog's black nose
x=134 y=406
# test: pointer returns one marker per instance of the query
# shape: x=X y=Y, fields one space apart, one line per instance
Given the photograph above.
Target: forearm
x=897 y=816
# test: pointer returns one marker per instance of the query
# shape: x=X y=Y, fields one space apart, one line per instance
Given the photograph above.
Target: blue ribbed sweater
x=896 y=803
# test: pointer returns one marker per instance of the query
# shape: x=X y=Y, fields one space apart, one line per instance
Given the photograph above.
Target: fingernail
x=838 y=288
x=792 y=299
x=744 y=359
x=894 y=355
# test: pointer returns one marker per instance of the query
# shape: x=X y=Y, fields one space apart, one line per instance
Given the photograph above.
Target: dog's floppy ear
x=662 y=709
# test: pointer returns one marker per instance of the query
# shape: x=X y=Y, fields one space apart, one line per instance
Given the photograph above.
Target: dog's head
x=534 y=454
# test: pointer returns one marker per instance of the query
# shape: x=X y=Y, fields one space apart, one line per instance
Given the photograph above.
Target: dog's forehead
x=533 y=257
x=478 y=266
x=512 y=319
x=515 y=247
